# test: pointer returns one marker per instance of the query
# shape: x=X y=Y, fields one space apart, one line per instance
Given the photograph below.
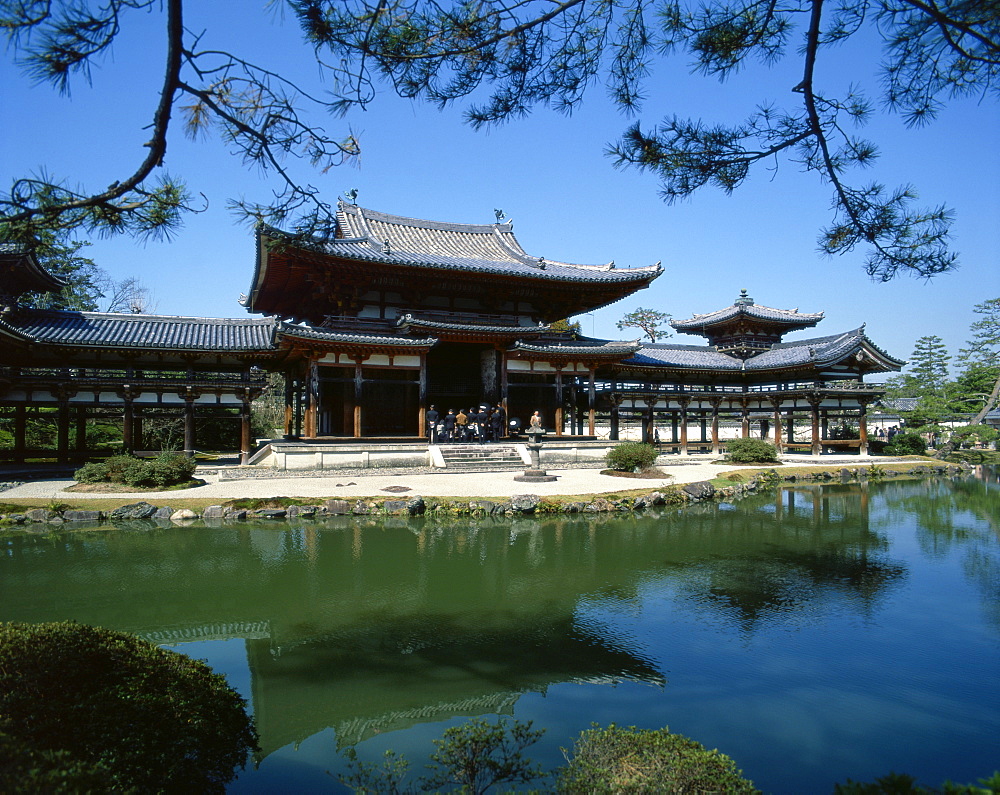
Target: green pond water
x=813 y=633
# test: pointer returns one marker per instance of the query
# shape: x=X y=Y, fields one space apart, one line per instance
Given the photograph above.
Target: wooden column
x=777 y=425
x=745 y=431
x=791 y=426
x=310 y=421
x=591 y=405
x=137 y=427
x=715 y=426
x=62 y=431
x=863 y=429
x=559 y=403
x=128 y=426
x=615 y=418
x=359 y=386
x=650 y=418
x=246 y=442
x=422 y=429
x=684 y=426
x=189 y=441
x=289 y=431
x=817 y=446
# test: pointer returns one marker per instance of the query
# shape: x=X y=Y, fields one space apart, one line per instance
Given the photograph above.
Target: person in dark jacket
x=449 y=425
x=432 y=424
x=497 y=424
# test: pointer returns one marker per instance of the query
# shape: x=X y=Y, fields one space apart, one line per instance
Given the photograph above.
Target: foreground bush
x=751 y=451
x=82 y=705
x=167 y=469
x=631 y=457
x=616 y=760
x=906 y=444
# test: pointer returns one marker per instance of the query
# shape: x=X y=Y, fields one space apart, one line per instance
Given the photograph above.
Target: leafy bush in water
x=167 y=469
x=898 y=783
x=93 y=703
x=613 y=760
x=906 y=444
x=631 y=456
x=750 y=451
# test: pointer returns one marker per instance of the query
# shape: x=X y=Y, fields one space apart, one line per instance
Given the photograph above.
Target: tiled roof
x=579 y=347
x=372 y=236
x=816 y=352
x=112 y=330
x=360 y=338
x=746 y=307
x=409 y=320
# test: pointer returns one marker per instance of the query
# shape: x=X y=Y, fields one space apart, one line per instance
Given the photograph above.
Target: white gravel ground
x=479 y=484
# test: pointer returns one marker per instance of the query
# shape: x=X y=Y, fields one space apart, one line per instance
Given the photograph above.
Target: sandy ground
x=487 y=485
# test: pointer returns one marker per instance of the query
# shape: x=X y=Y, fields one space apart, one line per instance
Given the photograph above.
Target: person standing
x=461 y=426
x=432 y=424
x=449 y=426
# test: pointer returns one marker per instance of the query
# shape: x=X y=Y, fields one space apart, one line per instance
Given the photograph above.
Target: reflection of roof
x=816 y=352
x=745 y=307
x=112 y=330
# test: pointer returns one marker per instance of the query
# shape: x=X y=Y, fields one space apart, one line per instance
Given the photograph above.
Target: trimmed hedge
x=906 y=443
x=631 y=457
x=83 y=704
x=747 y=450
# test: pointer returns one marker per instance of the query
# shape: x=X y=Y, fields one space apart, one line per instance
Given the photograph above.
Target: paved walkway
x=478 y=484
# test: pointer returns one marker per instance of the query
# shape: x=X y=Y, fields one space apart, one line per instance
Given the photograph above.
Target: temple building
x=390 y=315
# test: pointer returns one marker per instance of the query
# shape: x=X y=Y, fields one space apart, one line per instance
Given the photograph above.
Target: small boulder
x=702 y=490
x=137 y=510
x=213 y=512
x=395 y=506
x=82 y=516
x=40 y=515
x=268 y=513
x=524 y=503
x=338 y=507
x=236 y=515
x=416 y=505
x=183 y=515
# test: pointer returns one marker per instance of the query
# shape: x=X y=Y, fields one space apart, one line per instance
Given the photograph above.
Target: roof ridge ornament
x=744 y=299
x=499 y=215
x=352 y=196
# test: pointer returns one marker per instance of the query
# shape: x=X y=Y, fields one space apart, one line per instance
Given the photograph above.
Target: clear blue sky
x=547 y=172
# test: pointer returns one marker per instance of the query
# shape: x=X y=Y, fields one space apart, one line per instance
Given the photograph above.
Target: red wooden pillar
x=591 y=404
x=817 y=446
x=684 y=425
x=358 y=395
x=246 y=442
x=559 y=403
x=422 y=429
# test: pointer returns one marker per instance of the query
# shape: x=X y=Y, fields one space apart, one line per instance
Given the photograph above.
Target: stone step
x=482 y=457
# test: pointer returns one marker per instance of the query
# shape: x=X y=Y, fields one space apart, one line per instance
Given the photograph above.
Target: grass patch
x=254 y=503
x=121 y=488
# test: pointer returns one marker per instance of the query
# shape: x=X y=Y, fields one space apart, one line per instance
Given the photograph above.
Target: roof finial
x=499 y=214
x=351 y=195
x=744 y=299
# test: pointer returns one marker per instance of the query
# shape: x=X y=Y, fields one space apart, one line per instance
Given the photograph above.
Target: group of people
x=482 y=424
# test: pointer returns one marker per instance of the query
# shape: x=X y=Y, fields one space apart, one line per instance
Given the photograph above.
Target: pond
x=814 y=634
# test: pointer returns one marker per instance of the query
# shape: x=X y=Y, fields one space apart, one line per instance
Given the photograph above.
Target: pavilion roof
x=744 y=307
x=111 y=330
x=315 y=334
x=20 y=272
x=291 y=270
x=810 y=353
x=580 y=347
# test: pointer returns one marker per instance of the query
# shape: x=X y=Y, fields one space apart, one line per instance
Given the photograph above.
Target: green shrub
x=631 y=457
x=93 y=472
x=900 y=783
x=100 y=702
x=906 y=443
x=167 y=469
x=747 y=450
x=616 y=760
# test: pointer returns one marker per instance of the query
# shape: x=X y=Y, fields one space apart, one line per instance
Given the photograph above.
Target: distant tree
x=649 y=321
x=258 y=113
x=982 y=359
x=514 y=56
x=128 y=295
x=928 y=366
x=566 y=326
